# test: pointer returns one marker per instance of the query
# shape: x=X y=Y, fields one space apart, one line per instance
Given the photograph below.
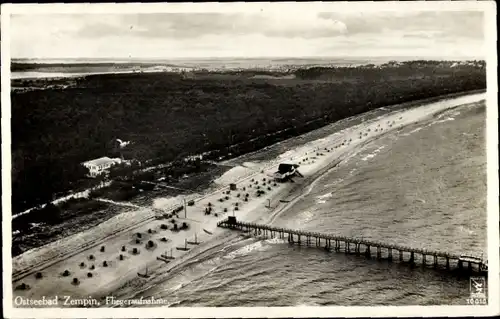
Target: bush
x=23 y=286
x=50 y=214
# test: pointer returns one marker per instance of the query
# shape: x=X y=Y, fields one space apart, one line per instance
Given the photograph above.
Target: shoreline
x=316 y=166
x=293 y=192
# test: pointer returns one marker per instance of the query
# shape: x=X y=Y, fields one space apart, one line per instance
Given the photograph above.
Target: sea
x=423 y=186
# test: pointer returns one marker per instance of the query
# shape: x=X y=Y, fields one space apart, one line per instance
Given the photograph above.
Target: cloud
x=195 y=25
x=304 y=25
x=457 y=23
x=267 y=34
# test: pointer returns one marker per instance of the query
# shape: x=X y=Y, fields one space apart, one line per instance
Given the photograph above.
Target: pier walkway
x=361 y=246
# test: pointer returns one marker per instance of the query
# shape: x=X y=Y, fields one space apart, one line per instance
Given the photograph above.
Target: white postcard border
x=489 y=9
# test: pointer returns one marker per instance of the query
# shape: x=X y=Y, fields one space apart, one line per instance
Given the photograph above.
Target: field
x=169 y=116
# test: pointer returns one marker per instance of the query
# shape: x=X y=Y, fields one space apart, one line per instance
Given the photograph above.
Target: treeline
x=167 y=117
x=383 y=72
x=55 y=214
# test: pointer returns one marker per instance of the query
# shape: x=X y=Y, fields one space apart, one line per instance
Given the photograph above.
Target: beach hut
x=231 y=220
x=286 y=171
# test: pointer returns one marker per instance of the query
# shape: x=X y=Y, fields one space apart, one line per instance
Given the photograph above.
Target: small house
x=100 y=165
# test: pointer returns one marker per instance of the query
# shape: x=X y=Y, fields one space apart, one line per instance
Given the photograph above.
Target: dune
x=234 y=175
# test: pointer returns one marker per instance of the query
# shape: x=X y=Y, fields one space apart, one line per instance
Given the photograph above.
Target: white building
x=100 y=165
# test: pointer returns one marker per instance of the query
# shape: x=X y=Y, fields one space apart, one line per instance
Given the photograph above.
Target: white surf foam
x=373 y=154
x=325 y=196
x=245 y=250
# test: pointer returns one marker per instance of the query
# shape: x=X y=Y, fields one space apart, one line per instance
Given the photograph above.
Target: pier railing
x=355 y=245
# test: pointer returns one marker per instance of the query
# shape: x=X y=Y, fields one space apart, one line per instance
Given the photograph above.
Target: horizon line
x=254 y=58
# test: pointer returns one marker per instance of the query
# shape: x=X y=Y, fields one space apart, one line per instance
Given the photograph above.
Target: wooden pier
x=364 y=247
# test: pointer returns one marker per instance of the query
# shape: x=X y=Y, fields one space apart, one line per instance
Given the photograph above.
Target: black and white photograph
x=294 y=159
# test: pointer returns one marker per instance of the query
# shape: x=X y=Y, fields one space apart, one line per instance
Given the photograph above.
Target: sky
x=253 y=34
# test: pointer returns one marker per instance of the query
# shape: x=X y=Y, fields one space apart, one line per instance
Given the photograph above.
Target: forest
x=168 y=116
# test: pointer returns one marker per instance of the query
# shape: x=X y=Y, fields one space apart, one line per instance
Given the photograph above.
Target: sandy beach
x=112 y=254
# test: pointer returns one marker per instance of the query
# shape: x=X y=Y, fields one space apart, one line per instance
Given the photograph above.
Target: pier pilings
x=354 y=245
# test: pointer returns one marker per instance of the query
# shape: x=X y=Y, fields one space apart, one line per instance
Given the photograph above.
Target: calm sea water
x=424 y=186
